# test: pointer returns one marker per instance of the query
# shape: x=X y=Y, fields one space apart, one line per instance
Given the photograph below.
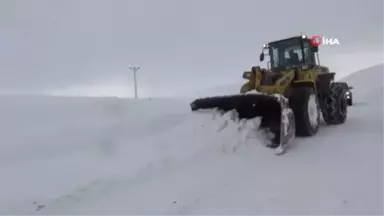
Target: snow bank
x=365 y=81
x=339 y=171
x=63 y=155
x=52 y=146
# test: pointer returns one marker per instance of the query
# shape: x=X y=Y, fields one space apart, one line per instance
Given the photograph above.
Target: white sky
x=85 y=46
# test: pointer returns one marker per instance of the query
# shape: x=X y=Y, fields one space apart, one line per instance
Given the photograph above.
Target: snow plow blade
x=276 y=116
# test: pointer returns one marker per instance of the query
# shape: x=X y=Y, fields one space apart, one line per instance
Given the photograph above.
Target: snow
x=370 y=79
x=68 y=155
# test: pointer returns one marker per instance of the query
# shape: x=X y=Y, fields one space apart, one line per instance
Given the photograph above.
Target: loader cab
x=295 y=52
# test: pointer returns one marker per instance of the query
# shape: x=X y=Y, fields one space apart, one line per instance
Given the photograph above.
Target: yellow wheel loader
x=289 y=96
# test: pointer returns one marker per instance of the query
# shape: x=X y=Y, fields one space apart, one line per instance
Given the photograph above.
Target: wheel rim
x=313 y=111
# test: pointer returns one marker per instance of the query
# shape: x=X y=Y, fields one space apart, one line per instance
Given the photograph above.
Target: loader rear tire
x=336 y=106
x=305 y=105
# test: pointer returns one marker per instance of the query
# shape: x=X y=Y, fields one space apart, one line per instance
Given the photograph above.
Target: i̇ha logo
x=319 y=40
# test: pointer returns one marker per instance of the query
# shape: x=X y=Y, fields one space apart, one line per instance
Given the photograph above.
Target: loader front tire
x=335 y=110
x=305 y=105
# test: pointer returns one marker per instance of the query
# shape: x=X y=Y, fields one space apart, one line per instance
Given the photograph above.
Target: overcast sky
x=86 y=46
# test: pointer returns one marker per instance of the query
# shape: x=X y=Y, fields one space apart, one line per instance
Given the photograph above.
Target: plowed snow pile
x=80 y=141
x=114 y=156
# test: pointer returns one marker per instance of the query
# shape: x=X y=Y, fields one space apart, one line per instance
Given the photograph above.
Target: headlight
x=247 y=75
x=348 y=93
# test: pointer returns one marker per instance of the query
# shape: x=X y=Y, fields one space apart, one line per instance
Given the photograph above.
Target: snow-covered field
x=63 y=155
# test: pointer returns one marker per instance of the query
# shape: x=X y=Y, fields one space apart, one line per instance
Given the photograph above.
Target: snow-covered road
x=113 y=156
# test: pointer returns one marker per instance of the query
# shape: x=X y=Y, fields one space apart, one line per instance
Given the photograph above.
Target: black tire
x=301 y=98
x=335 y=110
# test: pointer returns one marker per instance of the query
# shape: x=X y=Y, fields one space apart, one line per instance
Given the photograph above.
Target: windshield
x=285 y=54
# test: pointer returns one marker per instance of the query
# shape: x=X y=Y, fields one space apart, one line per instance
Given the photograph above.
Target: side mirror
x=247 y=75
x=262 y=57
x=350 y=87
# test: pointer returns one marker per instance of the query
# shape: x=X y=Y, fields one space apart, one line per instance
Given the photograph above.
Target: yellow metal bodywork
x=286 y=79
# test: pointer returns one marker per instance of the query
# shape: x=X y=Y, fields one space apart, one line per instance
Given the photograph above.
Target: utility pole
x=135 y=69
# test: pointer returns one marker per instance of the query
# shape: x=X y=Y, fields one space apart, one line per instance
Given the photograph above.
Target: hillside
x=366 y=81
